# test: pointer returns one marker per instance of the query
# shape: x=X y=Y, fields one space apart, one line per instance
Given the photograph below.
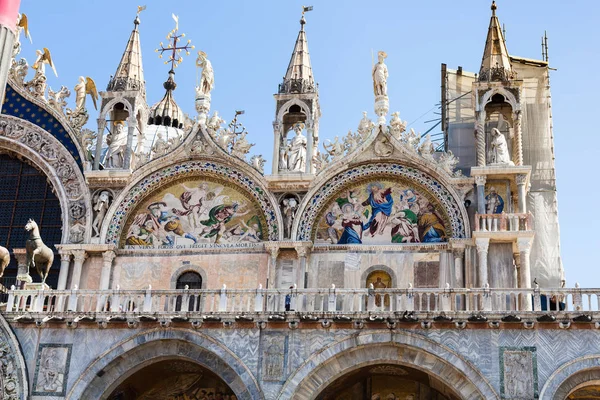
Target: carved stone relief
x=274 y=357
x=518 y=373
x=52 y=369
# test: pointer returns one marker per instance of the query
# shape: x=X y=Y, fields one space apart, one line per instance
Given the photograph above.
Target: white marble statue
x=101 y=204
x=448 y=162
x=43 y=58
x=224 y=139
x=207 y=80
x=380 y=75
x=215 y=122
x=426 y=148
x=335 y=149
x=82 y=89
x=499 y=149
x=289 y=212
x=4 y=259
x=397 y=126
x=296 y=155
x=412 y=139
x=365 y=126
x=351 y=142
x=22 y=26
x=241 y=146
x=117 y=143
x=258 y=162
x=160 y=147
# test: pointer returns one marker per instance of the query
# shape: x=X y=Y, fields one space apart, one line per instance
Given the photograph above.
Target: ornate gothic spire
x=495 y=65
x=130 y=74
x=299 y=77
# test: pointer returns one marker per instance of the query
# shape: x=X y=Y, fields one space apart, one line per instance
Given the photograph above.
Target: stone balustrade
x=503 y=222
x=313 y=304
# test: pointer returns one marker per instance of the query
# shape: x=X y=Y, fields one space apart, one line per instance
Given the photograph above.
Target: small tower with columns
x=297 y=113
x=124 y=111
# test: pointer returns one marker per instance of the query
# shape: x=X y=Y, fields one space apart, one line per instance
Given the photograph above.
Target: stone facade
x=368 y=268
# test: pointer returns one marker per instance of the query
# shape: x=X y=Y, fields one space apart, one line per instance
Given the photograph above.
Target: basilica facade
x=153 y=258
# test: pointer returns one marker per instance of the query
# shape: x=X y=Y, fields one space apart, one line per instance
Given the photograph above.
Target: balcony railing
x=310 y=303
x=503 y=222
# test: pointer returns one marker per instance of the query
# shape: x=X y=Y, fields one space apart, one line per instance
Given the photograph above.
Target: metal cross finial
x=174 y=57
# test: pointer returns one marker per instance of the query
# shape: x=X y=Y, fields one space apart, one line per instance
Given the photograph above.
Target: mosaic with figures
x=381 y=212
x=195 y=212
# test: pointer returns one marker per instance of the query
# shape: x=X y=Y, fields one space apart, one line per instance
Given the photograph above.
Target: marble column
x=273 y=250
x=9 y=11
x=480 y=138
x=309 y=149
x=480 y=182
x=524 y=246
x=459 y=273
x=63 y=275
x=107 y=258
x=482 y=251
x=127 y=161
x=277 y=136
x=521 y=192
x=302 y=251
x=99 y=141
x=79 y=257
x=518 y=139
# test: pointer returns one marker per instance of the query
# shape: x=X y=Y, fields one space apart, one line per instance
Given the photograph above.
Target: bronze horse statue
x=39 y=255
x=4 y=259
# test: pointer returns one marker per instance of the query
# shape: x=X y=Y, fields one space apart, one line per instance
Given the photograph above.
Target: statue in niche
x=494 y=204
x=117 y=142
x=289 y=212
x=296 y=154
x=499 y=149
x=101 y=204
x=380 y=75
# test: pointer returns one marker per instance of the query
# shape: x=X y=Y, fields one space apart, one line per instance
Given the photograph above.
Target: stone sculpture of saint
x=380 y=75
x=499 y=149
x=207 y=80
x=115 y=155
x=297 y=150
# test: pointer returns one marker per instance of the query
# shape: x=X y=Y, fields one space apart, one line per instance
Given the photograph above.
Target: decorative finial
x=494 y=7
x=136 y=21
x=304 y=10
x=174 y=58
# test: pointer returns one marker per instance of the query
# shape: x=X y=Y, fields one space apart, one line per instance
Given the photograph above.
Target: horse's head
x=30 y=225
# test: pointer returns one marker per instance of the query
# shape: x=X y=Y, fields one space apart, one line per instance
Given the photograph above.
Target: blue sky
x=249 y=45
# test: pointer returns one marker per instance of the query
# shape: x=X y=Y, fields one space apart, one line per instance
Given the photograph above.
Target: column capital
x=79 y=255
x=521 y=179
x=482 y=244
x=65 y=255
x=303 y=249
x=524 y=244
x=108 y=256
x=272 y=248
x=480 y=180
x=458 y=252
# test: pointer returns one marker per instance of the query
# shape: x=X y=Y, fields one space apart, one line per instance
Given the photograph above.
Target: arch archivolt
x=107 y=371
x=571 y=376
x=189 y=268
x=508 y=96
x=303 y=106
x=49 y=156
x=321 y=195
x=145 y=186
x=385 y=347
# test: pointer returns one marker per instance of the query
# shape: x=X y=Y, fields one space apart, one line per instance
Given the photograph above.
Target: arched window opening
x=189 y=302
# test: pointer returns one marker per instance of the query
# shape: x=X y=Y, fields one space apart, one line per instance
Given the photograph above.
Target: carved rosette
x=64 y=169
